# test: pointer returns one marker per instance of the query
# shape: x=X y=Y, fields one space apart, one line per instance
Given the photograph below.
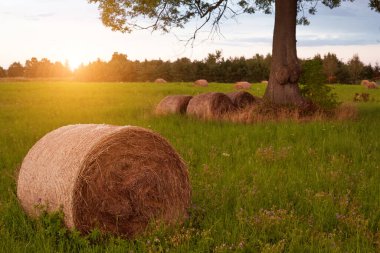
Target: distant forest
x=214 y=68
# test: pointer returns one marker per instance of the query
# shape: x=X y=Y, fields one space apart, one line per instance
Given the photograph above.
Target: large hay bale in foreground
x=160 y=80
x=242 y=85
x=201 y=83
x=209 y=105
x=113 y=178
x=242 y=99
x=173 y=104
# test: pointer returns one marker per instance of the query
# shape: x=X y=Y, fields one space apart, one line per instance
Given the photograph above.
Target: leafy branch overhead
x=122 y=15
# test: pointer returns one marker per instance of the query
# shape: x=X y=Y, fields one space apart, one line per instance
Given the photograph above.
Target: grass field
x=268 y=187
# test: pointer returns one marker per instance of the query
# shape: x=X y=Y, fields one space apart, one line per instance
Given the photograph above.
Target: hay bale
x=173 y=104
x=264 y=82
x=201 y=83
x=364 y=83
x=372 y=85
x=369 y=84
x=210 y=105
x=242 y=99
x=160 y=80
x=111 y=177
x=242 y=85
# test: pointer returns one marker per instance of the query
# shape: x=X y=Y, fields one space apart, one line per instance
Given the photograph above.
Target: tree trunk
x=285 y=70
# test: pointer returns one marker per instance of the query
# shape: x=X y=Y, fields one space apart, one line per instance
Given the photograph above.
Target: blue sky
x=70 y=30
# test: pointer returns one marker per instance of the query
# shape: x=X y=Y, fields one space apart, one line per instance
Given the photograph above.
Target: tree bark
x=285 y=70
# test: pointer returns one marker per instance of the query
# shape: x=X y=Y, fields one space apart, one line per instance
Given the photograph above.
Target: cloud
x=45 y=15
x=36 y=17
x=309 y=40
x=332 y=42
x=336 y=39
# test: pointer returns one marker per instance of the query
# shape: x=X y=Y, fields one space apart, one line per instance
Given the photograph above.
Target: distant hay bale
x=368 y=84
x=201 y=83
x=242 y=99
x=210 y=105
x=364 y=83
x=264 y=82
x=113 y=178
x=160 y=80
x=372 y=85
x=242 y=85
x=173 y=104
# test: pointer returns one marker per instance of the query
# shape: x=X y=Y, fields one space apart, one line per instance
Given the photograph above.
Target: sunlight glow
x=74 y=63
x=70 y=31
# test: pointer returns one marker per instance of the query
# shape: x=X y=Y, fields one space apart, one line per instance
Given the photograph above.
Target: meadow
x=265 y=187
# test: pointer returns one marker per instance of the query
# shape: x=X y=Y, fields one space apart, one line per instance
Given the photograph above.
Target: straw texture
x=173 y=104
x=201 y=83
x=242 y=85
x=110 y=177
x=368 y=84
x=210 y=105
x=160 y=80
x=242 y=99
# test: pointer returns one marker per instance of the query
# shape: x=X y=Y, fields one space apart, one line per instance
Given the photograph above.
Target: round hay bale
x=113 y=178
x=201 y=83
x=264 y=82
x=242 y=99
x=372 y=85
x=210 y=105
x=160 y=80
x=364 y=83
x=242 y=85
x=173 y=104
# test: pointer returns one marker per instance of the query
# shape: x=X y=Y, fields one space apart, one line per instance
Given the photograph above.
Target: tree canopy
x=282 y=89
x=121 y=15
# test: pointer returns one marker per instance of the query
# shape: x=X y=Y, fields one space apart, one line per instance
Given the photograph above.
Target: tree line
x=214 y=68
x=35 y=68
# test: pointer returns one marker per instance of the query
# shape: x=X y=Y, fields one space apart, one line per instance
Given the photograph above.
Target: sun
x=74 y=62
x=73 y=56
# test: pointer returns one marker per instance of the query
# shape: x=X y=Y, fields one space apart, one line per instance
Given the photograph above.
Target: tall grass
x=266 y=187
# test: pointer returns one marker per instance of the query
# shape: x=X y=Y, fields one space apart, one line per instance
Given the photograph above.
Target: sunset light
x=199 y=126
x=71 y=30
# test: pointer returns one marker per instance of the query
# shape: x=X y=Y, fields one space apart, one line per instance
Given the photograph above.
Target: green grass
x=268 y=187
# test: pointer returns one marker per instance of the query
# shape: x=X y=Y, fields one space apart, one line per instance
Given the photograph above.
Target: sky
x=71 y=31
